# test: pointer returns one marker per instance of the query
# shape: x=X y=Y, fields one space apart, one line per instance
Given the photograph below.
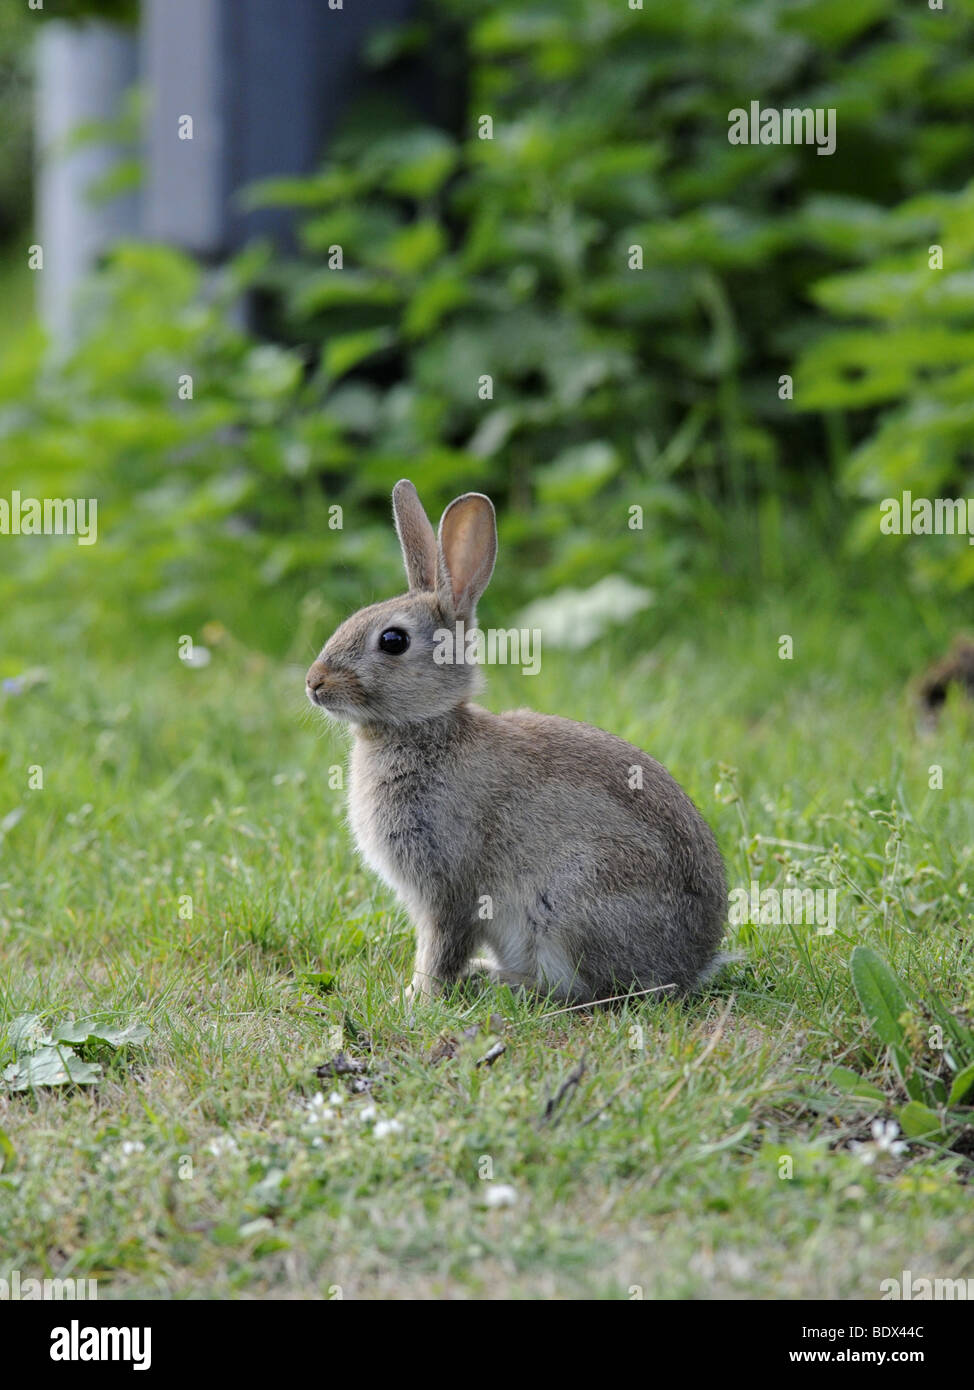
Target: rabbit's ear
x=467 y=550
x=415 y=536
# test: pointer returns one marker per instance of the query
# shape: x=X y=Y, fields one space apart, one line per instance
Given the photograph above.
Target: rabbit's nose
x=318 y=675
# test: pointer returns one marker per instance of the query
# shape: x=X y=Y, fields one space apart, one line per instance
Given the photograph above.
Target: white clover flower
x=381 y=1128
x=367 y=1114
x=884 y=1141
x=500 y=1194
x=315 y=1111
x=884 y=1136
x=221 y=1145
x=120 y=1156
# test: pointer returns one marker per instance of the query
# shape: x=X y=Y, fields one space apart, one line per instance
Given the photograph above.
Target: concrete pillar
x=266 y=82
x=83 y=71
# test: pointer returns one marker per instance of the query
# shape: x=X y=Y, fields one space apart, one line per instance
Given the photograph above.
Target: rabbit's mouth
x=337 y=692
x=335 y=703
x=336 y=708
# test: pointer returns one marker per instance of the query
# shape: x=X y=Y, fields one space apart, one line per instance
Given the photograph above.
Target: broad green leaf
x=853 y=1084
x=413 y=163
x=319 y=190
x=321 y=981
x=365 y=227
x=917 y=1120
x=443 y=290
x=879 y=992
x=347 y=351
x=270 y=372
x=578 y=473
x=50 y=1066
x=27 y=1033
x=414 y=248
x=81 y=1033
x=962 y=1085
x=341 y=289
x=833 y=22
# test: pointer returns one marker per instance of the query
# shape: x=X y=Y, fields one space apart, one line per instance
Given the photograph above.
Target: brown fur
x=517 y=832
x=955 y=669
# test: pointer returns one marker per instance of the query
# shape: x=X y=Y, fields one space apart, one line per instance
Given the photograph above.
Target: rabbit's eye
x=394 y=641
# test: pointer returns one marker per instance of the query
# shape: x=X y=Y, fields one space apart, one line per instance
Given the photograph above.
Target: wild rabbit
x=955 y=669
x=572 y=856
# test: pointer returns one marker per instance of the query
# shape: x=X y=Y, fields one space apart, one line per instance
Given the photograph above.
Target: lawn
x=186 y=865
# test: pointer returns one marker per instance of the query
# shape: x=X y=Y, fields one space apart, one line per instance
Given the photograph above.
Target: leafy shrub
x=909 y=357
x=194 y=495
x=614 y=388
x=16 y=31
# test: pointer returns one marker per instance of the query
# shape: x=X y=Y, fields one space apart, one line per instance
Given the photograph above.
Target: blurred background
x=280 y=261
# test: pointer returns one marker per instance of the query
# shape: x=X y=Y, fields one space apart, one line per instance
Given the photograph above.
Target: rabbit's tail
x=715 y=966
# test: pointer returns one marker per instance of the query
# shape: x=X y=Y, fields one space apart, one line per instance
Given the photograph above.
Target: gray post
x=186 y=176
x=265 y=82
x=83 y=70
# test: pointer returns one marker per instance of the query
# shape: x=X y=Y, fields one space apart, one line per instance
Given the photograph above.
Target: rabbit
x=574 y=858
x=956 y=669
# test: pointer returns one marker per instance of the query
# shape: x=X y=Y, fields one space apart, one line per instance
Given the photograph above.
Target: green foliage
x=620 y=395
x=939 y=1093
x=45 y=1056
x=907 y=359
x=201 y=501
x=16 y=32
x=511 y=256
x=880 y=994
x=163 y=780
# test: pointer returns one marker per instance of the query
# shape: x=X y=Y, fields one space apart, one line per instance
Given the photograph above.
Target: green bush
x=907 y=359
x=613 y=387
x=16 y=31
x=191 y=437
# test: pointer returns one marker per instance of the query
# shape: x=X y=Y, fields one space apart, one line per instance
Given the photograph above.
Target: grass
x=202 y=1166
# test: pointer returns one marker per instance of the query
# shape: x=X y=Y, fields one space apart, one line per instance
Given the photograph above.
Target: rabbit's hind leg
x=483 y=968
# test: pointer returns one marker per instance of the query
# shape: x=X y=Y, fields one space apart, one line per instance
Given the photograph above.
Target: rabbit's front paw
x=422 y=988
